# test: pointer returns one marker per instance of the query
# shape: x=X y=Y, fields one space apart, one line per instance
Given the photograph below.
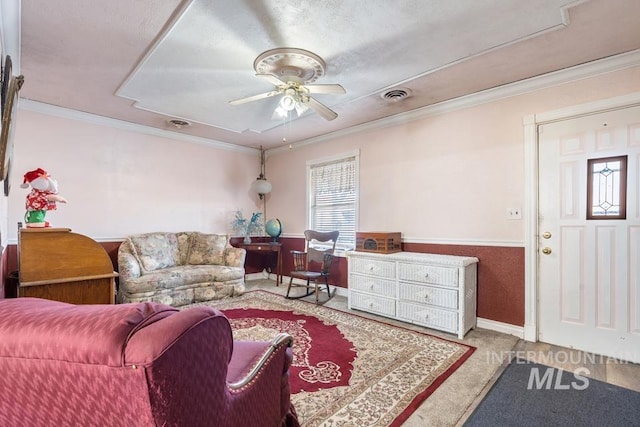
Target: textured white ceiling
x=206 y=58
x=152 y=60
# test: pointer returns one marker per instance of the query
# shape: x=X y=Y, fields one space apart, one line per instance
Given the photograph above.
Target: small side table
x=267 y=247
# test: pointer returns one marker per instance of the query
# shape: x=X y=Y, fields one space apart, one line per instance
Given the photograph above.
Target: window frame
x=623 y=159
x=340 y=247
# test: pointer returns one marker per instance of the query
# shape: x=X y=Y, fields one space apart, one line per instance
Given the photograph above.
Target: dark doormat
x=529 y=394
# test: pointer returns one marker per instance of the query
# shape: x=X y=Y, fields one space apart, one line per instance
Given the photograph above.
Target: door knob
x=546 y=235
x=546 y=251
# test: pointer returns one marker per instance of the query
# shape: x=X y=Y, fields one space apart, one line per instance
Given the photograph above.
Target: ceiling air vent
x=395 y=95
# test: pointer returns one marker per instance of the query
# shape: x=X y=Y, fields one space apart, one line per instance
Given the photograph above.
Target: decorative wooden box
x=379 y=242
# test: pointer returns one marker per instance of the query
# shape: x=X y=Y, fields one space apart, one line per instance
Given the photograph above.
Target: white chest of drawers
x=436 y=291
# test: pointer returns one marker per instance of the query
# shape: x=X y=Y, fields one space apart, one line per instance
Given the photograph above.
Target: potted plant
x=247 y=227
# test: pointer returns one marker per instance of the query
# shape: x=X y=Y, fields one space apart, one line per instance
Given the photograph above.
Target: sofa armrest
x=258 y=381
x=282 y=339
x=234 y=257
x=151 y=340
x=128 y=267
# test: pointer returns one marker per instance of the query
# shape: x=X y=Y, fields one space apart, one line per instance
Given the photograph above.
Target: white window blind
x=333 y=197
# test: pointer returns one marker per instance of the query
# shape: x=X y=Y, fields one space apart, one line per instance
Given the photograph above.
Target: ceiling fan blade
x=321 y=109
x=272 y=79
x=330 y=88
x=254 y=97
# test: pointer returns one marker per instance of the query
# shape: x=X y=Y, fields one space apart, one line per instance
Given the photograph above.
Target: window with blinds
x=333 y=198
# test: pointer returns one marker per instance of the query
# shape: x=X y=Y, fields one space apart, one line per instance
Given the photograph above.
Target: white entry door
x=589 y=269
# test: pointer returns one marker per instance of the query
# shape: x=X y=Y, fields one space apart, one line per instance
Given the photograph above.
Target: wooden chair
x=314 y=264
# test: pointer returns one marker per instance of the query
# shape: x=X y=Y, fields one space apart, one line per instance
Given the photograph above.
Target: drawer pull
x=426 y=275
x=371 y=267
x=426 y=296
x=371 y=286
x=423 y=314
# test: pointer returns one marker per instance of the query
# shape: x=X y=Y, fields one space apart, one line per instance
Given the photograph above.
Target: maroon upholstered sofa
x=141 y=364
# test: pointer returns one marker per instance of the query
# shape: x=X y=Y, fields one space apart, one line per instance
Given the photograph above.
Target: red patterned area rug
x=347 y=370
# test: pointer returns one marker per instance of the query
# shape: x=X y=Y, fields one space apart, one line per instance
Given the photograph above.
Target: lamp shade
x=261 y=186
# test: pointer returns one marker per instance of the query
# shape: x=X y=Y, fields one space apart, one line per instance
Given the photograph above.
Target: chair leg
x=326 y=282
x=306 y=294
x=289 y=287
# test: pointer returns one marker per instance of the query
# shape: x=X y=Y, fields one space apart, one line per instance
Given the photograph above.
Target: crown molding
x=67 y=113
x=567 y=75
x=555 y=78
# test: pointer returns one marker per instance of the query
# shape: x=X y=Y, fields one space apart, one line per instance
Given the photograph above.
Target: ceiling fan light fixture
x=280 y=113
x=288 y=102
x=291 y=70
x=290 y=63
x=301 y=108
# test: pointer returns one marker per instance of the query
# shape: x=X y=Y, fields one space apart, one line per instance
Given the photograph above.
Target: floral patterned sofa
x=179 y=268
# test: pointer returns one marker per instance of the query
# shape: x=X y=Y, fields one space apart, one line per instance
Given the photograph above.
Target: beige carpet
x=394 y=371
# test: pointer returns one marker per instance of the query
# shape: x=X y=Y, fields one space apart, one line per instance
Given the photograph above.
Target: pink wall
x=447 y=177
x=119 y=182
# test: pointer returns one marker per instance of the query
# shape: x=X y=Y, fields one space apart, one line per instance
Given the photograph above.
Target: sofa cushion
x=182 y=277
x=155 y=251
x=207 y=249
x=184 y=240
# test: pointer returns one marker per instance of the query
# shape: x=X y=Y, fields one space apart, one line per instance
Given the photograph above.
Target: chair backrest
x=330 y=238
x=326 y=264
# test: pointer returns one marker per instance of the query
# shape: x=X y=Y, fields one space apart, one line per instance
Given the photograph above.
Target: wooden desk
x=268 y=247
x=56 y=264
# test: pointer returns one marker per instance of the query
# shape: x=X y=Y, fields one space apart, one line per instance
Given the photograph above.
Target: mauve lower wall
x=500 y=272
x=500 y=278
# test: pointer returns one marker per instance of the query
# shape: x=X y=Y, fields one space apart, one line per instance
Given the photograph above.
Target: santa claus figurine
x=42 y=198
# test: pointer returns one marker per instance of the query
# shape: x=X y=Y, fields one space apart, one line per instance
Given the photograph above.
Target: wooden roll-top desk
x=56 y=264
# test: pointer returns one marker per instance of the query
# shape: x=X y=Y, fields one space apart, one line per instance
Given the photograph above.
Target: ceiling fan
x=291 y=70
